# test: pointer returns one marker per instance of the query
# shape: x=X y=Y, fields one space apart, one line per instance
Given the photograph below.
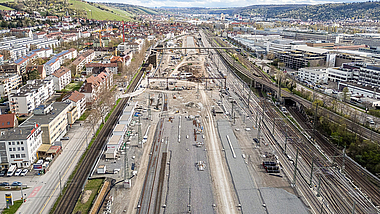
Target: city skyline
x=216 y=3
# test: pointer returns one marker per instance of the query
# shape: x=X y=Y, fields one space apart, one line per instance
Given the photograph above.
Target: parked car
x=18 y=172
x=3 y=172
x=16 y=183
x=4 y=184
x=65 y=138
x=256 y=140
x=23 y=173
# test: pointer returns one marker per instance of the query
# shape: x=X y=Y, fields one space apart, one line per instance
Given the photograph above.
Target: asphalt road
x=43 y=190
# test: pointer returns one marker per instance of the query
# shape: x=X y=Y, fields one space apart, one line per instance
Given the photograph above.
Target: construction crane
x=100 y=33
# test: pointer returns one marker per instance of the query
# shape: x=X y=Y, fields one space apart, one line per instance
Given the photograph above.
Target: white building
x=79 y=101
x=28 y=97
x=313 y=75
x=52 y=65
x=341 y=74
x=8 y=82
x=18 y=146
x=61 y=78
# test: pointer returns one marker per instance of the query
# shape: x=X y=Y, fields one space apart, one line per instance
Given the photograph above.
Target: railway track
x=74 y=188
x=150 y=202
x=371 y=188
x=355 y=172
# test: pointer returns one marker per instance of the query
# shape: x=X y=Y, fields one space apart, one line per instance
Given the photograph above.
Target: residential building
x=25 y=99
x=18 y=146
x=69 y=37
x=8 y=121
x=97 y=68
x=313 y=75
x=52 y=18
x=52 y=65
x=8 y=82
x=40 y=69
x=79 y=100
x=61 y=78
x=96 y=84
x=10 y=68
x=82 y=60
x=54 y=120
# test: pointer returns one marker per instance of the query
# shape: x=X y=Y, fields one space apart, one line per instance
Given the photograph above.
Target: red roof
x=76 y=96
x=7 y=121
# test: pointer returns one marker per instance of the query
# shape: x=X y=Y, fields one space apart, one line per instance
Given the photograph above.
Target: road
x=43 y=190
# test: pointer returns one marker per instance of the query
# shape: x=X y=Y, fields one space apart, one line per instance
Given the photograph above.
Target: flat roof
x=114 y=139
x=44 y=148
x=311 y=49
x=130 y=106
x=125 y=117
x=42 y=119
x=119 y=127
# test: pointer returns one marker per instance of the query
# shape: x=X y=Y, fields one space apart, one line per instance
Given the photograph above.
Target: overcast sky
x=213 y=3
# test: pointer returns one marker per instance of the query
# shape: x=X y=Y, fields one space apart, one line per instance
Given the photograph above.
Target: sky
x=214 y=3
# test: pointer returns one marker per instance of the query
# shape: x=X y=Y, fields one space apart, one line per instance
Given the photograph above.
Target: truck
x=11 y=170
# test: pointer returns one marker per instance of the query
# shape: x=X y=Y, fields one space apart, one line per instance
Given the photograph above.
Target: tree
x=33 y=75
x=345 y=94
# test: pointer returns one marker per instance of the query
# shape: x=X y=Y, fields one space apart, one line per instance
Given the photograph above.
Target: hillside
x=134 y=9
x=98 y=11
x=323 y=12
x=75 y=8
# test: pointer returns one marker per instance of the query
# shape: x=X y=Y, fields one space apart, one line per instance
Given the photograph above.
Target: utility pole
x=60 y=187
x=343 y=161
x=315 y=120
x=353 y=208
x=140 y=134
x=295 y=170
x=149 y=111
x=319 y=186
x=232 y=109
x=311 y=172
x=249 y=93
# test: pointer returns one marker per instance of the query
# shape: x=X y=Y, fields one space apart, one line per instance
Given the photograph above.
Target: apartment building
x=18 y=146
x=53 y=119
x=97 y=68
x=25 y=99
x=61 y=78
x=55 y=62
x=8 y=82
x=79 y=100
x=313 y=75
x=82 y=60
x=8 y=121
x=96 y=84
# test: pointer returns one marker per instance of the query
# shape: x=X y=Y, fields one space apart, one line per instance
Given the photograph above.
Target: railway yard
x=196 y=139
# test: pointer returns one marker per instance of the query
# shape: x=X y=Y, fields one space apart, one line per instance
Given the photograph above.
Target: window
x=12 y=156
x=22 y=143
x=18 y=143
x=18 y=148
x=17 y=155
x=9 y=143
x=23 y=155
x=10 y=149
x=13 y=143
x=22 y=148
x=14 y=149
x=8 y=123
